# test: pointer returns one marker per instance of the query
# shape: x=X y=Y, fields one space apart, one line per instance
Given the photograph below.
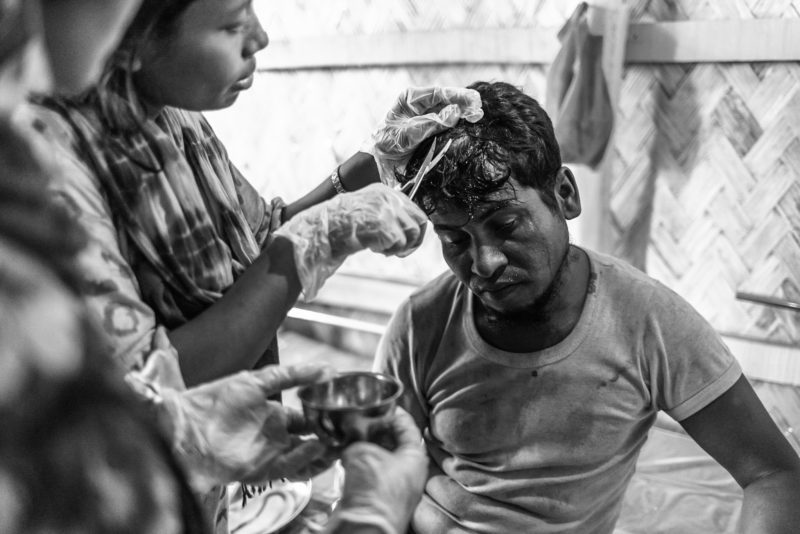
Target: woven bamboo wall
x=705 y=188
x=706 y=180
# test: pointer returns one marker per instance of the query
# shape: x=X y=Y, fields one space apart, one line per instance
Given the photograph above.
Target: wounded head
x=514 y=139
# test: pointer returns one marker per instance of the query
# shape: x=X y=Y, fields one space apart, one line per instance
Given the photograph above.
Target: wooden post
x=594 y=226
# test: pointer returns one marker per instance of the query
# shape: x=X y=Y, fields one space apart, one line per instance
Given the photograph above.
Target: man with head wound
x=535 y=368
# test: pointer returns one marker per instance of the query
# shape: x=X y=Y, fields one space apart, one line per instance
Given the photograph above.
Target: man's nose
x=487 y=260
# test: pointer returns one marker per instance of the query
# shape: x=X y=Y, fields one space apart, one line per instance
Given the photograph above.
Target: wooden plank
x=511 y=45
x=714 y=41
x=374 y=295
x=614 y=27
x=661 y=42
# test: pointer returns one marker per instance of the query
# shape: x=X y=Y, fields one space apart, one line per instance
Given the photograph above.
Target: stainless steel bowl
x=350 y=407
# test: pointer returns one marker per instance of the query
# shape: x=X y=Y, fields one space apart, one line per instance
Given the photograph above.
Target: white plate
x=269 y=511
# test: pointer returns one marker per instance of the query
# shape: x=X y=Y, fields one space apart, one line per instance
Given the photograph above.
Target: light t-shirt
x=547 y=441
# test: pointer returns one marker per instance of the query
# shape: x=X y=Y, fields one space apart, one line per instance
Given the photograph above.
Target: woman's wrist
x=336 y=182
x=358 y=171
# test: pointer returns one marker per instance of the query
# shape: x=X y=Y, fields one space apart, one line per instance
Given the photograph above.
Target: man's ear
x=567 y=195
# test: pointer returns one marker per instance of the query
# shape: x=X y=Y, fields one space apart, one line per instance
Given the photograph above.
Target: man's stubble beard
x=538 y=310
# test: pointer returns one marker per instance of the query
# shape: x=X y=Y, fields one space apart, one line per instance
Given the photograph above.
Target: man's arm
x=736 y=430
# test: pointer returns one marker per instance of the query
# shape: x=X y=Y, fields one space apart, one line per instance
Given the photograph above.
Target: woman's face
x=79 y=37
x=206 y=61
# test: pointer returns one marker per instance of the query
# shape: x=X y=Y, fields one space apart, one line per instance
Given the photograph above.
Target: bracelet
x=337 y=183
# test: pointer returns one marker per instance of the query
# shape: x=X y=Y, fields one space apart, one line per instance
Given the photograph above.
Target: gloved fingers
x=414 y=235
x=399 y=136
x=274 y=378
x=448 y=117
x=424 y=99
x=415 y=231
x=404 y=234
x=384 y=220
x=278 y=206
x=406 y=432
x=296 y=422
x=414 y=246
x=470 y=106
x=357 y=452
x=299 y=461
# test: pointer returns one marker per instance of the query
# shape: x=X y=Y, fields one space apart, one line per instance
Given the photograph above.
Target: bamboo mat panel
x=705 y=189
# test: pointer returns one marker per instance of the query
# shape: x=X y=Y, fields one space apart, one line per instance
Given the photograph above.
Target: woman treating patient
x=172 y=224
x=178 y=237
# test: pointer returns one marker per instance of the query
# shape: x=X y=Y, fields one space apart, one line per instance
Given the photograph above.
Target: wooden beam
x=660 y=42
x=512 y=45
x=714 y=41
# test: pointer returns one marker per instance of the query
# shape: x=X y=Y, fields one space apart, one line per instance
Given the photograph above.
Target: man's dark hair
x=514 y=139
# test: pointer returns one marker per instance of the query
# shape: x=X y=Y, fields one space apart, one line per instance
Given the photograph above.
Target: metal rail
x=768 y=300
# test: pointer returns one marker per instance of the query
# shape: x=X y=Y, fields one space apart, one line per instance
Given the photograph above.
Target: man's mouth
x=493 y=289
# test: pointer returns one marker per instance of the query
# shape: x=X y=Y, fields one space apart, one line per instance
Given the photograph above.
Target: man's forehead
x=453 y=214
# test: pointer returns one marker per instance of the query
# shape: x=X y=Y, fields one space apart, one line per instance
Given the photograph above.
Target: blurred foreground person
x=79 y=451
x=536 y=368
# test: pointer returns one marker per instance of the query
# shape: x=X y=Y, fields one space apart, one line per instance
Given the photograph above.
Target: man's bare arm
x=737 y=431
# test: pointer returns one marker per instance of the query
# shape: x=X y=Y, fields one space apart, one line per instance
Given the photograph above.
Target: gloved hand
x=226 y=430
x=419 y=113
x=374 y=217
x=381 y=487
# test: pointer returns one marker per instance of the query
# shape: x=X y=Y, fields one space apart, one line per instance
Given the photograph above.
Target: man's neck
x=550 y=323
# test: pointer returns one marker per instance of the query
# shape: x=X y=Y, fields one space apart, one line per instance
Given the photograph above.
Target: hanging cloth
x=577 y=94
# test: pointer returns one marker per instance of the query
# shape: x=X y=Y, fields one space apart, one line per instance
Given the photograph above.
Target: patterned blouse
x=115 y=294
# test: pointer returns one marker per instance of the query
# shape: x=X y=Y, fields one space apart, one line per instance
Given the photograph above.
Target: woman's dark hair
x=155 y=19
x=514 y=139
x=115 y=95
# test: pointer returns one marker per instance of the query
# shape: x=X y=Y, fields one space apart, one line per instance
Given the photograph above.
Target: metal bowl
x=355 y=406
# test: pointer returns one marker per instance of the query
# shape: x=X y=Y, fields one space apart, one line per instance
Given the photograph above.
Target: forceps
x=427 y=165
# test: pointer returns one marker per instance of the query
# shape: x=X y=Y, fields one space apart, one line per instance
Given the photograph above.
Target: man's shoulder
x=637 y=294
x=618 y=266
x=621 y=277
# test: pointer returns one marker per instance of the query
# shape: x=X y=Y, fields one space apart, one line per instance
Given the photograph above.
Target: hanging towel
x=577 y=94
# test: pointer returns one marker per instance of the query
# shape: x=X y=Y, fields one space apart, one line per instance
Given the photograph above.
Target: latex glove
x=375 y=217
x=381 y=487
x=226 y=430
x=419 y=113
